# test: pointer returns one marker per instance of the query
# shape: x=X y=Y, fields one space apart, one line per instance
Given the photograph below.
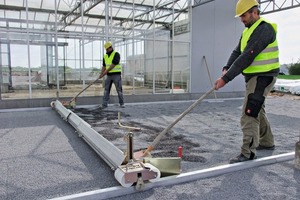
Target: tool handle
x=83 y=90
x=158 y=138
x=207 y=68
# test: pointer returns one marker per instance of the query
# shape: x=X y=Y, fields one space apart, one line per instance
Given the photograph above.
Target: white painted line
x=181 y=178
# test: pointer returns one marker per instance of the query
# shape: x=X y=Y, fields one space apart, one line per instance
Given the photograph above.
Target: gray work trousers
x=256 y=129
x=117 y=81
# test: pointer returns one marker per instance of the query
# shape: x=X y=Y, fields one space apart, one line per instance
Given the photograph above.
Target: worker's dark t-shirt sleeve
x=116 y=59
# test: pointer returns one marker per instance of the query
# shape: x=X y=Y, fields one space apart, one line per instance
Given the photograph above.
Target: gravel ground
x=209 y=134
x=42 y=158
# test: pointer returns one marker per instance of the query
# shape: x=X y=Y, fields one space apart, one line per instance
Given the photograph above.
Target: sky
x=287 y=21
x=288 y=25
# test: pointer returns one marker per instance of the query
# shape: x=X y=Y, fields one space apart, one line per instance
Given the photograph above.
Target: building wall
x=215 y=33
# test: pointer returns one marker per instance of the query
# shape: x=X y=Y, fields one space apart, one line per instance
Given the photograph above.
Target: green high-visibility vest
x=266 y=60
x=108 y=62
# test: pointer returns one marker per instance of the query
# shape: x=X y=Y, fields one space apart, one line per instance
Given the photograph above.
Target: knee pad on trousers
x=254 y=104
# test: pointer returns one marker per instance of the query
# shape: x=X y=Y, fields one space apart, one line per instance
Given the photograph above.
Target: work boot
x=265 y=148
x=103 y=106
x=122 y=105
x=241 y=158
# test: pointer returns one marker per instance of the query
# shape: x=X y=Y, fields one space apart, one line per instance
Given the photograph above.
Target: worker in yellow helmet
x=257 y=58
x=112 y=68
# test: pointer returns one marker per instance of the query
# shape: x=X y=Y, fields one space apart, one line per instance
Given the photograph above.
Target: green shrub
x=294 y=69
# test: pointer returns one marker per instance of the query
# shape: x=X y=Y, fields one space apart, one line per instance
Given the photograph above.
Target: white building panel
x=215 y=33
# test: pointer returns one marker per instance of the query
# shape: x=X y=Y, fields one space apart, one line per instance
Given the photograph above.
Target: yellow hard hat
x=107 y=44
x=243 y=6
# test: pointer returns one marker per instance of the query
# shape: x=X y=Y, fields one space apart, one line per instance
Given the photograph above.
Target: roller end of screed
x=52 y=104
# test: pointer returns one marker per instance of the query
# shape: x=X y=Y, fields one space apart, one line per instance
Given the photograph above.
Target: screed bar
x=112 y=155
x=127 y=170
x=183 y=178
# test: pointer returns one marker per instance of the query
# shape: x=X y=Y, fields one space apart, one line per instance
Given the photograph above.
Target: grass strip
x=289 y=77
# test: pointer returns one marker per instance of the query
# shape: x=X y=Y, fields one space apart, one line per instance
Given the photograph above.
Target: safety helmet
x=243 y=6
x=107 y=45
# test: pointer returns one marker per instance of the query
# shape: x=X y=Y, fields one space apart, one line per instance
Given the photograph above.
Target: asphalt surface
x=42 y=157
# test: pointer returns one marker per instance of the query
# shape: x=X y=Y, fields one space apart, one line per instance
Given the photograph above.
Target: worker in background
x=257 y=58
x=112 y=68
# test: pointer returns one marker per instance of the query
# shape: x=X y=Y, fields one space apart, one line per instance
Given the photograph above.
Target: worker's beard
x=250 y=22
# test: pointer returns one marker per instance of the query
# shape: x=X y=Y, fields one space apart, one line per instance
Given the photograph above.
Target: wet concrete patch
x=105 y=122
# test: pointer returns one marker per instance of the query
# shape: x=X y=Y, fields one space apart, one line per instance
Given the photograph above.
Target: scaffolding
x=54 y=48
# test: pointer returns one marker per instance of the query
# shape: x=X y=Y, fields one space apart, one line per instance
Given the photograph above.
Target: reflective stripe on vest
x=266 y=60
x=108 y=62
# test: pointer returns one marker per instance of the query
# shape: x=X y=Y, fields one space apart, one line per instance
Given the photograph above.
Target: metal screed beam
x=112 y=155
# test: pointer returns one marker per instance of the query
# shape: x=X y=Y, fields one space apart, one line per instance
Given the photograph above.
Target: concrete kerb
x=182 y=178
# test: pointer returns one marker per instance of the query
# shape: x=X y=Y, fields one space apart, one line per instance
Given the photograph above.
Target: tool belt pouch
x=254 y=104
